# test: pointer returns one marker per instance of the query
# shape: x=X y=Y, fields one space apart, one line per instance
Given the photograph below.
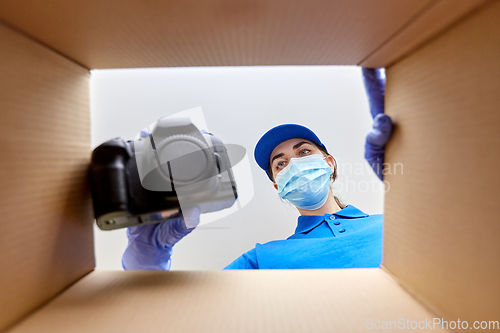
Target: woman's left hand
x=382 y=124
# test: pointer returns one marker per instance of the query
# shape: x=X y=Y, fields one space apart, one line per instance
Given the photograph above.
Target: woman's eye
x=280 y=165
x=304 y=151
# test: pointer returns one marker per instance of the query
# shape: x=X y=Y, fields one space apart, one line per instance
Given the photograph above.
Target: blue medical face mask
x=305 y=182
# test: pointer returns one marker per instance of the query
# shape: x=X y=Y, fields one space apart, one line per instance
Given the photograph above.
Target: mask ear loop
x=334 y=169
x=335 y=166
x=333 y=172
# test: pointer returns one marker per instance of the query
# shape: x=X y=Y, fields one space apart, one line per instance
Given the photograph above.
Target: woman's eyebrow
x=300 y=144
x=294 y=147
x=276 y=156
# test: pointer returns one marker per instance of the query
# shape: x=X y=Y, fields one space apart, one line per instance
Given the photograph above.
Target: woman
x=329 y=234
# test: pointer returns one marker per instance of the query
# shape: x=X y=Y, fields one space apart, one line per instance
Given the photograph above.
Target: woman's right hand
x=150 y=246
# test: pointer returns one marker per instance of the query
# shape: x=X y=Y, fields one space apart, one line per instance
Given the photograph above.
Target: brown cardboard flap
x=46 y=228
x=437 y=16
x=441 y=222
x=145 y=33
x=227 y=301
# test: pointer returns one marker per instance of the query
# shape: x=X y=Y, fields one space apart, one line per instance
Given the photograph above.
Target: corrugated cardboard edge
x=46 y=234
x=439 y=243
x=322 y=300
x=109 y=34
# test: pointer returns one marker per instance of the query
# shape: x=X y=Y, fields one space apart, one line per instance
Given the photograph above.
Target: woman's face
x=293 y=148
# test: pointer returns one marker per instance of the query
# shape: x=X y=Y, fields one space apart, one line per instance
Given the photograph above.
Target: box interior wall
x=440 y=252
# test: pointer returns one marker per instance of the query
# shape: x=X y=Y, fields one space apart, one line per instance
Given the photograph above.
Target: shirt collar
x=309 y=222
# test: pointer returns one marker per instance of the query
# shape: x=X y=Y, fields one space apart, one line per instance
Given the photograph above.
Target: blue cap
x=277 y=135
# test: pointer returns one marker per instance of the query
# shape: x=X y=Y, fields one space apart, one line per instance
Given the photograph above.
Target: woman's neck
x=329 y=207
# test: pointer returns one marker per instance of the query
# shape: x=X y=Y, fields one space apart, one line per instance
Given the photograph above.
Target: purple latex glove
x=374 y=81
x=382 y=123
x=150 y=246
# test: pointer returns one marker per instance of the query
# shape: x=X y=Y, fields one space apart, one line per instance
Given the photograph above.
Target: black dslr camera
x=169 y=166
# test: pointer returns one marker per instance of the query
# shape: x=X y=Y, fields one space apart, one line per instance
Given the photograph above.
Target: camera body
x=169 y=166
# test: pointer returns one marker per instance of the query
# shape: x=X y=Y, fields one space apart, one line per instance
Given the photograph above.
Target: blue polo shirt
x=348 y=238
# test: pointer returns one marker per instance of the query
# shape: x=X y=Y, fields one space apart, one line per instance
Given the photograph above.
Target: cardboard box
x=441 y=252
